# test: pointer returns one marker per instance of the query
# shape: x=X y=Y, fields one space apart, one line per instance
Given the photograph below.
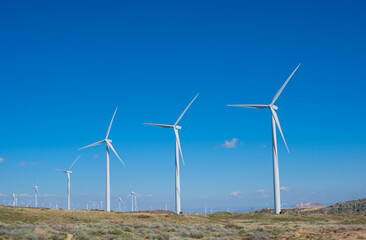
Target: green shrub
x=162 y=236
x=81 y=235
x=116 y=231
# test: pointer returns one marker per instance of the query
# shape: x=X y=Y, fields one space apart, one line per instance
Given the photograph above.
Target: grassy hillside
x=348 y=207
x=30 y=223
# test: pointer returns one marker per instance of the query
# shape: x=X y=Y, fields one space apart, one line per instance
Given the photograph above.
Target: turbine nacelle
x=178 y=127
x=274 y=107
x=64 y=171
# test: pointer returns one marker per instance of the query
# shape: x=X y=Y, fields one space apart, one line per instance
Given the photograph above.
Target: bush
x=162 y=236
x=116 y=231
x=81 y=235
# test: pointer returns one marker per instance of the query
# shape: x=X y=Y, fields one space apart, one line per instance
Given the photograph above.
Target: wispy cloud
x=236 y=194
x=261 y=191
x=1 y=160
x=230 y=144
x=48 y=195
x=24 y=163
x=19 y=195
x=96 y=156
x=24 y=195
x=285 y=189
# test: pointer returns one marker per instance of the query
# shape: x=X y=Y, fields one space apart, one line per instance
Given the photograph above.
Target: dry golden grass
x=30 y=223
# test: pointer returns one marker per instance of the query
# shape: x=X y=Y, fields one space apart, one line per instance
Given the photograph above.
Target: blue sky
x=66 y=66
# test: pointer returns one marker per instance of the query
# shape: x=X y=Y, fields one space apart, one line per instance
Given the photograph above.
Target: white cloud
x=235 y=194
x=1 y=160
x=230 y=144
x=47 y=195
x=285 y=189
x=22 y=164
x=19 y=195
x=24 y=195
x=261 y=191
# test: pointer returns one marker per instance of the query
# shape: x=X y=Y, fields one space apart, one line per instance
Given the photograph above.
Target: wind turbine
x=133 y=196
x=108 y=146
x=178 y=150
x=119 y=203
x=275 y=121
x=36 y=195
x=14 y=196
x=68 y=181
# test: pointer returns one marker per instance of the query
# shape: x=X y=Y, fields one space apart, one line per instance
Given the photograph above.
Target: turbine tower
x=108 y=146
x=275 y=121
x=119 y=203
x=178 y=150
x=68 y=181
x=36 y=195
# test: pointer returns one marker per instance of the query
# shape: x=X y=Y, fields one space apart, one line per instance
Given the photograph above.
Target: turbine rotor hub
x=178 y=127
x=274 y=107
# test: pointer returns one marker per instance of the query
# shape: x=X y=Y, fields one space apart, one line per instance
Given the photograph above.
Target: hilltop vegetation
x=30 y=223
x=348 y=207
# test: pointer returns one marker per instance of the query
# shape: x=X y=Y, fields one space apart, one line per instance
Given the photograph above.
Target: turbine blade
x=283 y=86
x=110 y=125
x=274 y=114
x=74 y=162
x=180 y=117
x=61 y=170
x=178 y=142
x=94 y=144
x=160 y=125
x=111 y=147
x=256 y=106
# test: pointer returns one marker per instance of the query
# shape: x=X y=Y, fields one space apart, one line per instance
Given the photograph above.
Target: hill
x=40 y=223
x=309 y=205
x=348 y=207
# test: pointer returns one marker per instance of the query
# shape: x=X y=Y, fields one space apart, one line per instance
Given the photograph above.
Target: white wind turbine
x=68 y=181
x=15 y=199
x=275 y=121
x=119 y=203
x=108 y=146
x=133 y=196
x=178 y=150
x=36 y=195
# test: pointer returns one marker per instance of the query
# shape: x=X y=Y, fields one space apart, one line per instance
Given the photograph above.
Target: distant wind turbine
x=133 y=196
x=119 y=203
x=108 y=146
x=275 y=121
x=36 y=195
x=68 y=181
x=15 y=198
x=178 y=150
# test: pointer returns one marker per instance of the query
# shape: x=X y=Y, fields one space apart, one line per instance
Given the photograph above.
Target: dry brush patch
x=31 y=223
